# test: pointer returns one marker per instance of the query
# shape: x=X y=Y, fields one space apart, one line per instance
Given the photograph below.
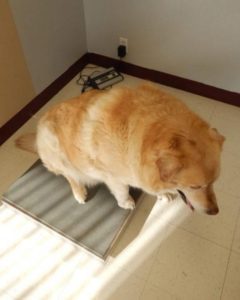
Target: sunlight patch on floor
x=39 y=264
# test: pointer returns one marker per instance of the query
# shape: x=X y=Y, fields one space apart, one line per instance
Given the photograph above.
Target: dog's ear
x=217 y=136
x=168 y=166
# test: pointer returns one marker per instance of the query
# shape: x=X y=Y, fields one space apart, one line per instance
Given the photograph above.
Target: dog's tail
x=27 y=142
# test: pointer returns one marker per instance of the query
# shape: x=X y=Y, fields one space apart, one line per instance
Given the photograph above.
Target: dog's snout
x=212 y=211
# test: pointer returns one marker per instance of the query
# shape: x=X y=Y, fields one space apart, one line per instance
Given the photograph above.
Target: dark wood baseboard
x=156 y=76
x=168 y=79
x=40 y=100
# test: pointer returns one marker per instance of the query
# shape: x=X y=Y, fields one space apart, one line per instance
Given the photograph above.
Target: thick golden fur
x=141 y=137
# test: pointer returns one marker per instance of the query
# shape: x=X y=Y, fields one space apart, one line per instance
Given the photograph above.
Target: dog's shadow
x=92 y=191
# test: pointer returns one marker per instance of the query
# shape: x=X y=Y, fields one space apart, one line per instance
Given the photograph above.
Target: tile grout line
x=230 y=253
x=148 y=277
x=206 y=239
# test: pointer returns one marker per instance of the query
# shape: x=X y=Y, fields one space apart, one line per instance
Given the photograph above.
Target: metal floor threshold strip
x=48 y=199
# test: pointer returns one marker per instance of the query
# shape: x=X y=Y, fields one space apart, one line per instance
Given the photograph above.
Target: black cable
x=83 y=79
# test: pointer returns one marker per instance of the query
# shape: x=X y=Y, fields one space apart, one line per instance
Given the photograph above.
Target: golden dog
x=140 y=137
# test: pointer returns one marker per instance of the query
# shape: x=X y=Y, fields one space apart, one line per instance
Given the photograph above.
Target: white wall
x=52 y=34
x=198 y=40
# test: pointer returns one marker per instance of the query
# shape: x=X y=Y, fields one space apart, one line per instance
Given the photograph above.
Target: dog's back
x=107 y=133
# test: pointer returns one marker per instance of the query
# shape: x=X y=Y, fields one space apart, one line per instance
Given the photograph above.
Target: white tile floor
x=199 y=260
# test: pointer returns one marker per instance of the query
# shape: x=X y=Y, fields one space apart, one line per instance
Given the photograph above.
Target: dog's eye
x=196 y=187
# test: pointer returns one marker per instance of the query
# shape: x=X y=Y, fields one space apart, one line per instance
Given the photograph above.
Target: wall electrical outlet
x=124 y=42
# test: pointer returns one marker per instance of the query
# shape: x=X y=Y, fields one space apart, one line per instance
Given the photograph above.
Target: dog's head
x=190 y=166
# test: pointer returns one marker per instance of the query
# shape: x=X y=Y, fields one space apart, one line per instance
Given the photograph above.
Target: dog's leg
x=121 y=193
x=79 y=190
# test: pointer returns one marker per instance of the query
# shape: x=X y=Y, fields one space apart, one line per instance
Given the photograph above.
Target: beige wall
x=16 y=88
x=52 y=34
x=198 y=40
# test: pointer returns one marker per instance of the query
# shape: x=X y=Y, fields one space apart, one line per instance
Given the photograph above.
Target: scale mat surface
x=47 y=198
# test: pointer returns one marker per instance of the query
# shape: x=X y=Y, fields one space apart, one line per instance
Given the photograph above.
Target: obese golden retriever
x=141 y=137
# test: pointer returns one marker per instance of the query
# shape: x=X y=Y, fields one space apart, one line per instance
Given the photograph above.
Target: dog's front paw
x=80 y=194
x=127 y=204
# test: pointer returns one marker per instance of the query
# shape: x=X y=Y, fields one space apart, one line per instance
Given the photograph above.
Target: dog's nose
x=212 y=211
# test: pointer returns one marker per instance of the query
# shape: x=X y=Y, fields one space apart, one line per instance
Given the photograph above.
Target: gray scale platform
x=48 y=199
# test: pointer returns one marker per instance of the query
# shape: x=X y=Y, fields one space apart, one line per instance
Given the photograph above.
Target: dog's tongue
x=188 y=203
